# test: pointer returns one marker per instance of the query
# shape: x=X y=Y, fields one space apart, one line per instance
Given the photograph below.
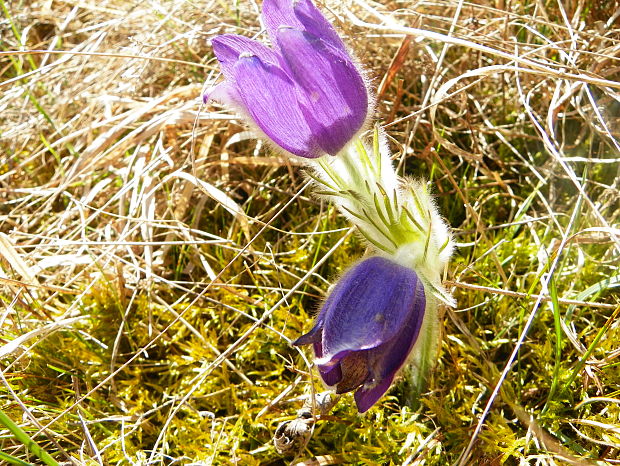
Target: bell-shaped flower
x=305 y=93
x=367 y=328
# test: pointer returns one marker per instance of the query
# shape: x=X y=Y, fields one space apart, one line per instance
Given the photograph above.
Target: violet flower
x=305 y=93
x=367 y=328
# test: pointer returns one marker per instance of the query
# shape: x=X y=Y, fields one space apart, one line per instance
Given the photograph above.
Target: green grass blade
x=557 y=325
x=24 y=438
x=12 y=460
x=591 y=348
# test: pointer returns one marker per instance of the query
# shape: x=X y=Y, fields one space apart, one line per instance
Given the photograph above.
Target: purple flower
x=367 y=328
x=305 y=93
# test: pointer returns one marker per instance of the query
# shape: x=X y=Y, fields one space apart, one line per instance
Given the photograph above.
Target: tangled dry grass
x=156 y=260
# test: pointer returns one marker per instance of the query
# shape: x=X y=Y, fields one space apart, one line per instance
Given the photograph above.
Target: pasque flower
x=367 y=328
x=307 y=96
x=304 y=93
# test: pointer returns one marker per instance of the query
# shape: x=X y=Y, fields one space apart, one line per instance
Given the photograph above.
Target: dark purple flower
x=367 y=328
x=305 y=93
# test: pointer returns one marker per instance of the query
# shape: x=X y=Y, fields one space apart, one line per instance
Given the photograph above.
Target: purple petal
x=386 y=360
x=315 y=335
x=365 y=398
x=273 y=103
x=224 y=93
x=315 y=23
x=228 y=48
x=302 y=15
x=333 y=95
x=368 y=307
x=333 y=376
